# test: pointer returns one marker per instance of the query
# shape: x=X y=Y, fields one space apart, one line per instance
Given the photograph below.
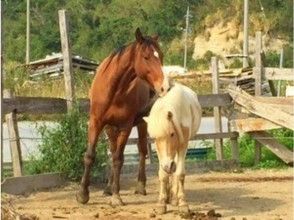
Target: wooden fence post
x=258 y=64
x=281 y=66
x=14 y=142
x=257 y=157
x=1 y=88
x=216 y=110
x=67 y=59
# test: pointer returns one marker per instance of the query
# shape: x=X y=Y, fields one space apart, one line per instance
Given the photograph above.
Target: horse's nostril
x=162 y=89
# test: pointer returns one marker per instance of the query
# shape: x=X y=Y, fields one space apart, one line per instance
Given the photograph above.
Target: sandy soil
x=262 y=194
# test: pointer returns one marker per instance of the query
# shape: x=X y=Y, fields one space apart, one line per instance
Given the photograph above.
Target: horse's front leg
x=112 y=134
x=142 y=148
x=180 y=176
x=117 y=163
x=94 y=130
x=163 y=191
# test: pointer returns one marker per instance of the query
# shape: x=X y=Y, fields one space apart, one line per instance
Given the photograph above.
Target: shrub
x=63 y=147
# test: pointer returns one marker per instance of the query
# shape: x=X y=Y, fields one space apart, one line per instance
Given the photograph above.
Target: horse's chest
x=121 y=113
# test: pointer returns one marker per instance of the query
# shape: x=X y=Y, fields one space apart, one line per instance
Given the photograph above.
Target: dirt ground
x=261 y=194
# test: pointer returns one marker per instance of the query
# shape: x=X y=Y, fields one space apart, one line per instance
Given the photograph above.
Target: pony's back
x=183 y=103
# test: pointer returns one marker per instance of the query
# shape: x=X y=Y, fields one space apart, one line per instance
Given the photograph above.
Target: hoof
x=174 y=202
x=161 y=209
x=107 y=191
x=116 y=201
x=82 y=196
x=140 y=189
x=184 y=209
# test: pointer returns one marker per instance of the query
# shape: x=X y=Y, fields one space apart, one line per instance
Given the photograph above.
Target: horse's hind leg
x=94 y=130
x=142 y=148
x=112 y=134
x=117 y=163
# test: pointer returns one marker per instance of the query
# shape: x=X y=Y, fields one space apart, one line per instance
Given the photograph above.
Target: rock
x=152 y=215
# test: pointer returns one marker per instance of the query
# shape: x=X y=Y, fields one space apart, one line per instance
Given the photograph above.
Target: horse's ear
x=146 y=119
x=139 y=36
x=155 y=37
x=169 y=115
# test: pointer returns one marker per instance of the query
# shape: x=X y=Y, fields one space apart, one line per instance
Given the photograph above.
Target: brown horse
x=121 y=94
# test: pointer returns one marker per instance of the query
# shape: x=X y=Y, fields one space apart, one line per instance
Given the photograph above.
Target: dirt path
x=259 y=195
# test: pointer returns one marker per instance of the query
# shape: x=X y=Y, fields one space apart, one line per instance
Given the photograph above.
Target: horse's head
x=164 y=127
x=148 y=63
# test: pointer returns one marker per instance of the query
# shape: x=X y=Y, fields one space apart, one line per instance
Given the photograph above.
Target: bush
x=63 y=147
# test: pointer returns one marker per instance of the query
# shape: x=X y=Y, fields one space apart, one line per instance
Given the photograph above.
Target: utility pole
x=28 y=34
x=245 y=39
x=186 y=37
x=1 y=88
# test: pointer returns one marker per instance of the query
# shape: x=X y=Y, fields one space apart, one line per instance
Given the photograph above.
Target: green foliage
x=63 y=147
x=98 y=27
x=15 y=76
x=272 y=59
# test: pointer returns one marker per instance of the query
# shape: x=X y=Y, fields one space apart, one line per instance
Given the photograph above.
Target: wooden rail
x=42 y=105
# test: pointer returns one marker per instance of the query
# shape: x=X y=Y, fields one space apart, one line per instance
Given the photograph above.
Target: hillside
x=98 y=27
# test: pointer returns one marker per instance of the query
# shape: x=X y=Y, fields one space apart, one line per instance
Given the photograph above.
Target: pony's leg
x=112 y=134
x=180 y=175
x=163 y=191
x=117 y=163
x=173 y=198
x=142 y=148
x=94 y=130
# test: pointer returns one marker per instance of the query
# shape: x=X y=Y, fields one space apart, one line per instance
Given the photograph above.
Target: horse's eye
x=172 y=134
x=146 y=58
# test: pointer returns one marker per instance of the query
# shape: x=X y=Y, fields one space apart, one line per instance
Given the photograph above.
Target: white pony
x=173 y=120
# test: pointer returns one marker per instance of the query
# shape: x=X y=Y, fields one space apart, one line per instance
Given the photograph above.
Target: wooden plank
x=284 y=101
x=272 y=73
x=261 y=109
x=257 y=71
x=217 y=135
x=216 y=110
x=44 y=105
x=252 y=124
x=14 y=142
x=207 y=136
x=27 y=184
x=212 y=100
x=278 y=149
x=34 y=105
x=67 y=59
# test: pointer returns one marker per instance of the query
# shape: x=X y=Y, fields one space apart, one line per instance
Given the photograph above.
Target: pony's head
x=148 y=62
x=164 y=127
